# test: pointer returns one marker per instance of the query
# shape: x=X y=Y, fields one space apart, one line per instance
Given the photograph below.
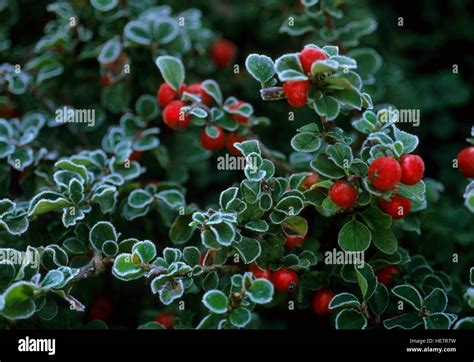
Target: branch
x=272 y=94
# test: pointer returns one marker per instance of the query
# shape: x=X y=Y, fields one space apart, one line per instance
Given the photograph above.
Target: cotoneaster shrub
x=109 y=197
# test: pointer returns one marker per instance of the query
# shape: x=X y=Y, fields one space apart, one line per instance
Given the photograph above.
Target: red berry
x=231 y=139
x=166 y=95
x=238 y=117
x=165 y=319
x=343 y=194
x=385 y=274
x=385 y=172
x=297 y=92
x=223 y=52
x=310 y=55
x=310 y=180
x=260 y=273
x=285 y=280
x=321 y=301
x=466 y=162
x=213 y=143
x=136 y=156
x=398 y=207
x=196 y=88
x=173 y=117
x=293 y=241
x=413 y=168
x=101 y=309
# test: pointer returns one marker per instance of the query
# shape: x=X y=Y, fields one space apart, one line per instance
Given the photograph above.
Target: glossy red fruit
x=238 y=117
x=136 y=156
x=398 y=207
x=260 y=273
x=285 y=280
x=230 y=140
x=297 y=92
x=385 y=172
x=196 y=88
x=413 y=168
x=223 y=52
x=293 y=241
x=321 y=301
x=101 y=309
x=166 y=95
x=343 y=194
x=385 y=274
x=466 y=162
x=310 y=55
x=165 y=319
x=310 y=180
x=213 y=143
x=174 y=117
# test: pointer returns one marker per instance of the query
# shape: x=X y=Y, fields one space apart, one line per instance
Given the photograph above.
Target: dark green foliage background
x=416 y=73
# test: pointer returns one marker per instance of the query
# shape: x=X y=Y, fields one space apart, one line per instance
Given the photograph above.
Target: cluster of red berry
x=386 y=172
x=297 y=91
x=175 y=118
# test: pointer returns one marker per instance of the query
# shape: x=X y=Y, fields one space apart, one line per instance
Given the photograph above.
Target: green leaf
x=295 y=225
x=240 y=317
x=110 y=51
x=216 y=301
x=180 y=231
x=48 y=71
x=173 y=198
x=409 y=294
x=18 y=301
x=354 y=236
x=102 y=232
x=350 y=319
x=147 y=107
x=409 y=141
x=289 y=68
x=224 y=233
x=212 y=88
x=436 y=301
x=437 y=321
x=305 y=142
x=47 y=201
x=327 y=106
x=165 y=30
x=290 y=205
x=385 y=240
x=404 y=321
x=249 y=249
x=140 y=198
x=150 y=325
x=366 y=279
x=340 y=154
x=172 y=70
x=191 y=255
x=343 y=300
x=376 y=219
x=138 y=32
x=350 y=98
x=125 y=269
x=146 y=250
x=7 y=273
x=261 y=291
x=378 y=302
x=260 y=67
x=325 y=167
x=210 y=281
x=104 y=5
x=464 y=323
